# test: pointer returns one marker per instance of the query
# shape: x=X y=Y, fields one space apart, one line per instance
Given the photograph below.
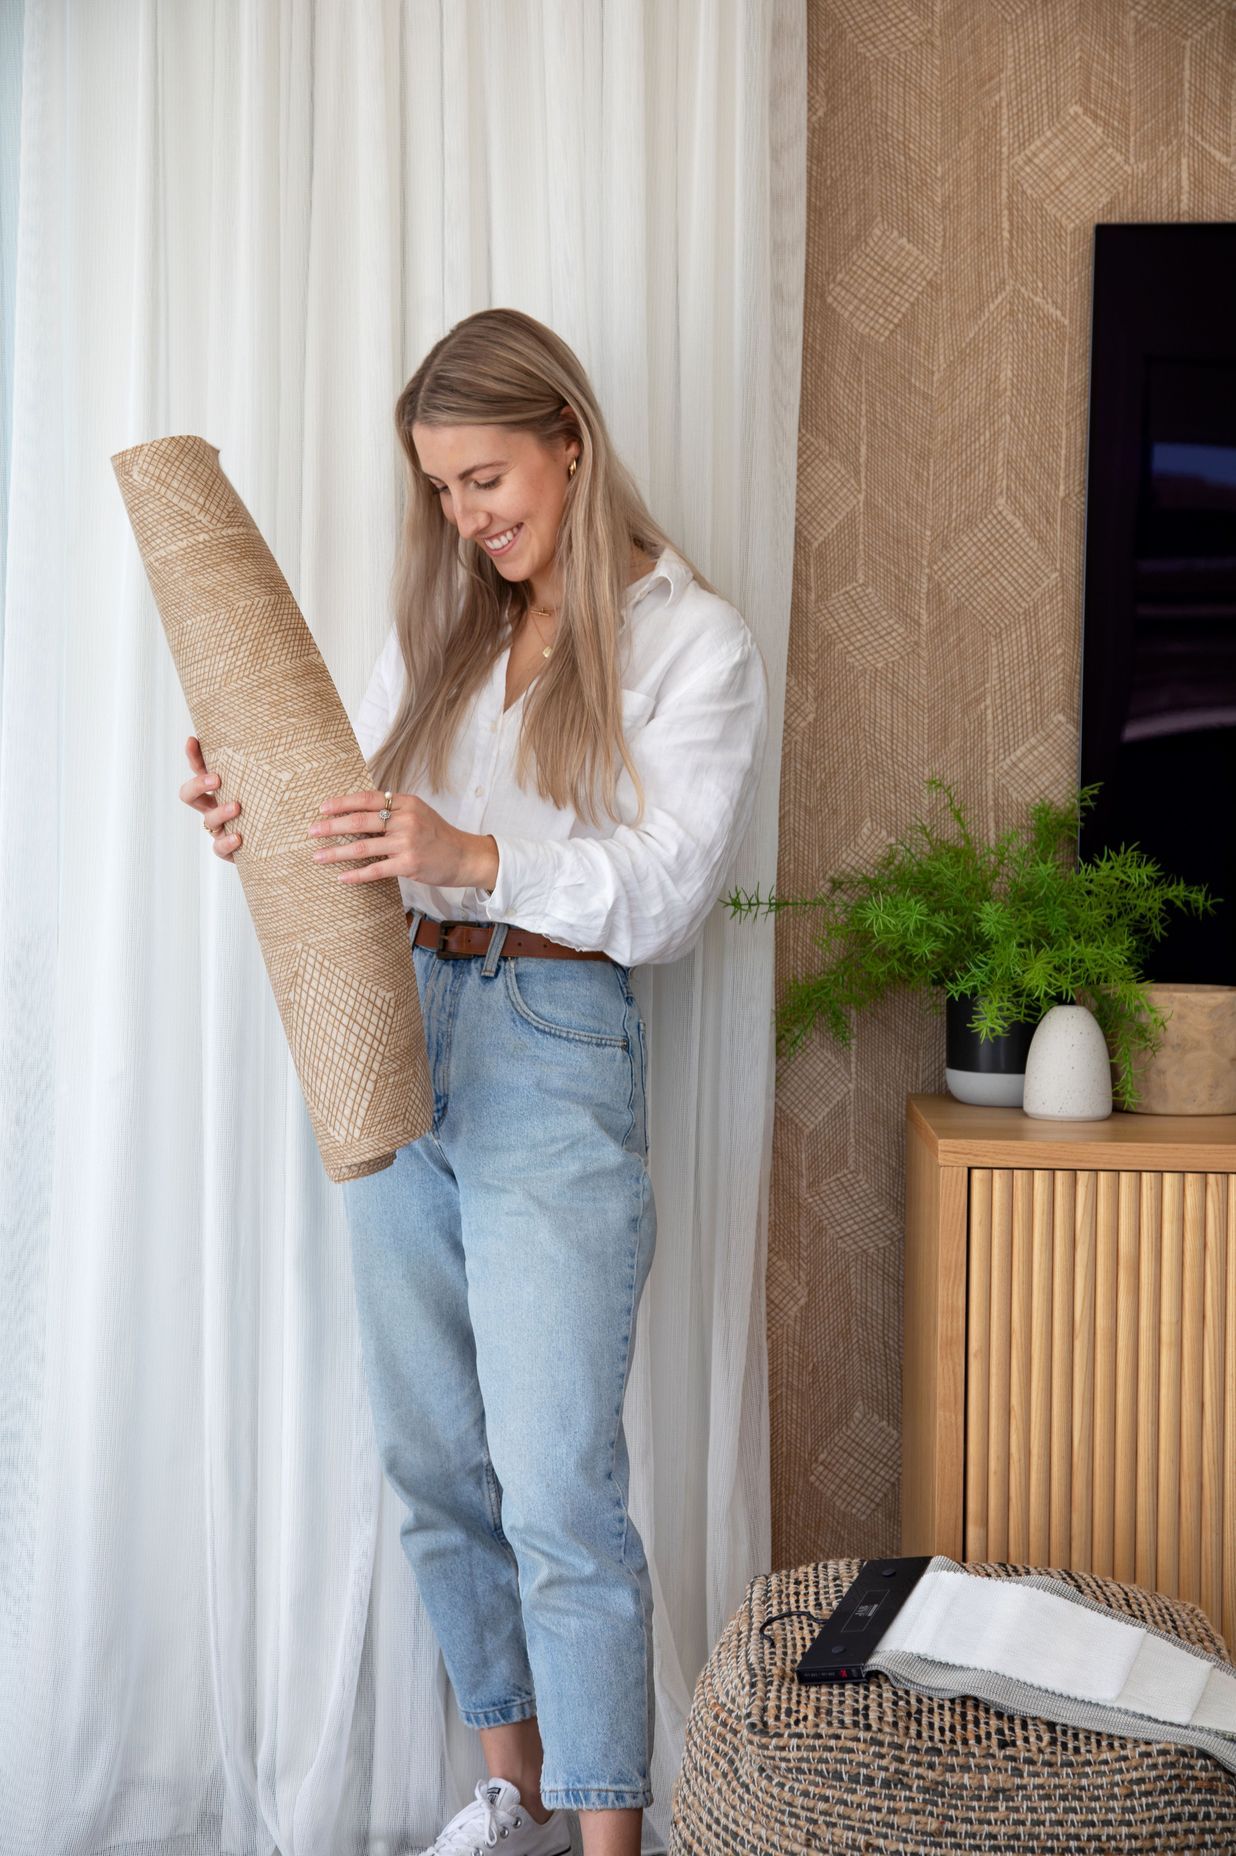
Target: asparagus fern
x=1019 y=923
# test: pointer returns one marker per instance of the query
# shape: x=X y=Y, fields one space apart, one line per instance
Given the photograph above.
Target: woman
x=551 y=648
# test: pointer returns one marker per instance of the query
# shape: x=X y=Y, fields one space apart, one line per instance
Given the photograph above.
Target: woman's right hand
x=197 y=792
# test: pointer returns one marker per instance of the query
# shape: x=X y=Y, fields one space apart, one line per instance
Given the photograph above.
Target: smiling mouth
x=505 y=542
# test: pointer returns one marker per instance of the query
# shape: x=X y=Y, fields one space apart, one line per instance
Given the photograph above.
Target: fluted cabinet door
x=1101 y=1377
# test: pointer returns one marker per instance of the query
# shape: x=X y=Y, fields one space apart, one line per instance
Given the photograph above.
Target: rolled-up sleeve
x=642 y=894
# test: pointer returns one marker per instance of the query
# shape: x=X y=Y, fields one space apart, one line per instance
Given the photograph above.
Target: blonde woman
x=564 y=731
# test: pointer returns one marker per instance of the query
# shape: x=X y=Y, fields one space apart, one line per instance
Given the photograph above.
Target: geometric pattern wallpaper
x=959 y=154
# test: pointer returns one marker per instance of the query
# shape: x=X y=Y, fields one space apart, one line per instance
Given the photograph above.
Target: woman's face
x=499 y=486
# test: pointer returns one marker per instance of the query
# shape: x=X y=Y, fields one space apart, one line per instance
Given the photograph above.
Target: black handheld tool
x=864 y=1612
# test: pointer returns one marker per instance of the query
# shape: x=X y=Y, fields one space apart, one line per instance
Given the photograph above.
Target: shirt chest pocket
x=636 y=708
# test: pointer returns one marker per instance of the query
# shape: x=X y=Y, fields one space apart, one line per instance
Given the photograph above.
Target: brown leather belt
x=465 y=940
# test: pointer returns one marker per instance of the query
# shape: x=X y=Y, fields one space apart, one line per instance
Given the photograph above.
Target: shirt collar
x=671 y=568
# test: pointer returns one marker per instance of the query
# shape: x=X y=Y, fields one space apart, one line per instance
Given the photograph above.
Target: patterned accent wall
x=960 y=152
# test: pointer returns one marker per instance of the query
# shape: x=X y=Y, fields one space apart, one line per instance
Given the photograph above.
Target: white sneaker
x=498 y=1815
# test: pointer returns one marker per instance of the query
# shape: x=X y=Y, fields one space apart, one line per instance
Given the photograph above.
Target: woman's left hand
x=417 y=842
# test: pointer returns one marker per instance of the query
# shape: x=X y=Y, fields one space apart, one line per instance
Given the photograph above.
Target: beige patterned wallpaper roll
x=960 y=152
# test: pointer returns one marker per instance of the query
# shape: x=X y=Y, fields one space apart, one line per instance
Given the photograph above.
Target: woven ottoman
x=772 y=1765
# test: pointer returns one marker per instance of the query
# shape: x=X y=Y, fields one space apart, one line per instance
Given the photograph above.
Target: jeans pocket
x=580 y=1000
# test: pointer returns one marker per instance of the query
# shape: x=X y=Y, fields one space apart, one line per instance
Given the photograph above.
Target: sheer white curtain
x=249 y=219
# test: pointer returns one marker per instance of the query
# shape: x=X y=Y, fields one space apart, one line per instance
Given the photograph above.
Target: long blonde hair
x=454 y=613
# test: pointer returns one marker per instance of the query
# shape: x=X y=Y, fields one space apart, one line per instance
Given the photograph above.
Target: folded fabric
x=1034 y=1645
x=271 y=724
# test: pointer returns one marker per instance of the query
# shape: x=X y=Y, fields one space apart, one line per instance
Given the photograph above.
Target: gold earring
x=574 y=467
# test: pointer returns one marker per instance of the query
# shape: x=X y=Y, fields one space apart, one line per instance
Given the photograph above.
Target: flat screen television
x=1158 y=682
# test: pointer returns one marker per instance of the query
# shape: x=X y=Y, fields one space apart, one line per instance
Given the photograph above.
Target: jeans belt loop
x=497 y=937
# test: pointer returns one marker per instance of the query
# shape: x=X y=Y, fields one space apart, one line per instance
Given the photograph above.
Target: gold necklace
x=549 y=612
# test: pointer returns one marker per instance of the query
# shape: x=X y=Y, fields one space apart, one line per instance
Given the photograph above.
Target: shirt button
x=479 y=791
x=492 y=727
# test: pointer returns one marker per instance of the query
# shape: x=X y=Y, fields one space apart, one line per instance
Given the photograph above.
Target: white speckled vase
x=1068 y=1070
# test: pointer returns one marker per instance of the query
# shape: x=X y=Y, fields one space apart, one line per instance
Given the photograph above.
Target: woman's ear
x=574 y=444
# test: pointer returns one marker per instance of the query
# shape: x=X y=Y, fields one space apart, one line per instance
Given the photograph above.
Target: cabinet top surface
x=959 y=1134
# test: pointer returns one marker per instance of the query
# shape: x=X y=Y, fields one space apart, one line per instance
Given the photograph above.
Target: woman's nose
x=471 y=522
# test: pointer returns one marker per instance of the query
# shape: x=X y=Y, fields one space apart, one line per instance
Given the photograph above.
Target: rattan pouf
x=772 y=1765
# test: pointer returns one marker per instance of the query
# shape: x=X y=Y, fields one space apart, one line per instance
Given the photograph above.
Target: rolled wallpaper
x=271 y=724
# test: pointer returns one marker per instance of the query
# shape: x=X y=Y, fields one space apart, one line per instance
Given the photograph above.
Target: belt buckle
x=443 y=951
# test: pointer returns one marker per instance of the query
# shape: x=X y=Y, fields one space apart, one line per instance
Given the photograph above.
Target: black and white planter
x=992 y=1071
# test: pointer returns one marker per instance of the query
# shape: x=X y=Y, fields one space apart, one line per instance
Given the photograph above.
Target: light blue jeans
x=498 y=1266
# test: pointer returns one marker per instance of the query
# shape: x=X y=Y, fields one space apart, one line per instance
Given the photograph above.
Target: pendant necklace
x=549 y=613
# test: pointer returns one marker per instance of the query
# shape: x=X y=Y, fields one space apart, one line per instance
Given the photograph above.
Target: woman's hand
x=199 y=793
x=417 y=843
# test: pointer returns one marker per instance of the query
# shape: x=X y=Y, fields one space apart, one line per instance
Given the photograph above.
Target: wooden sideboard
x=1069 y=1361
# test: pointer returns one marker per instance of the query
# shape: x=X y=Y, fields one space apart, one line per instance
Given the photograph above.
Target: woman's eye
x=493 y=483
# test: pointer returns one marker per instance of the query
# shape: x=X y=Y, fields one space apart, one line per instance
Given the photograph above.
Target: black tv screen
x=1158 y=686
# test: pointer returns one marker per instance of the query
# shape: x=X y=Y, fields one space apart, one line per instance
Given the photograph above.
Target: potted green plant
x=1004 y=930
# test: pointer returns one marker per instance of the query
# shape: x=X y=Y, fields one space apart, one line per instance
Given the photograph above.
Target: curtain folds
x=250 y=221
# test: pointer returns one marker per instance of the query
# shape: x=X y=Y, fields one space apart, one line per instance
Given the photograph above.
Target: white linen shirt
x=695 y=717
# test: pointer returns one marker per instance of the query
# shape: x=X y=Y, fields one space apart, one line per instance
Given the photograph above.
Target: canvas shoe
x=496 y=1818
